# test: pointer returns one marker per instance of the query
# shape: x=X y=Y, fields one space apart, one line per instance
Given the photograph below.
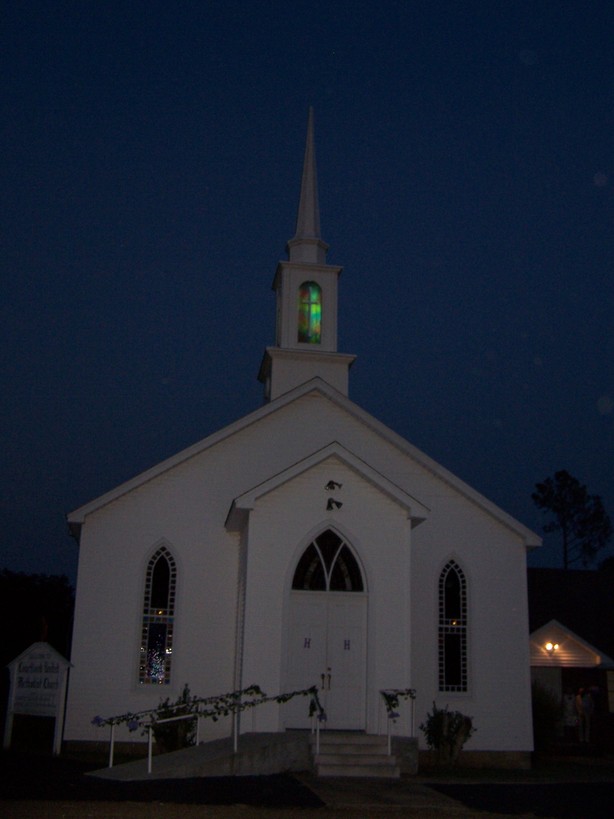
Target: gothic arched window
x=310 y=313
x=452 y=628
x=158 y=615
x=328 y=564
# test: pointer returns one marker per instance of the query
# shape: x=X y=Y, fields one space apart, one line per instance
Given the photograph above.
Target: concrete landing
x=258 y=754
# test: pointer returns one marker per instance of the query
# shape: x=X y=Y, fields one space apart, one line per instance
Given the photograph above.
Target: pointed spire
x=307 y=246
x=308 y=218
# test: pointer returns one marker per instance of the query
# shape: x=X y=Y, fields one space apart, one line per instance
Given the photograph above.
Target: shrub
x=446 y=732
x=171 y=736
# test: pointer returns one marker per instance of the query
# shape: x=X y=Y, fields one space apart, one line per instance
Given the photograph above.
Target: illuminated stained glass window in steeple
x=310 y=313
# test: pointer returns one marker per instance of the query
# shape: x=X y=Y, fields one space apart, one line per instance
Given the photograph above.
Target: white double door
x=327 y=648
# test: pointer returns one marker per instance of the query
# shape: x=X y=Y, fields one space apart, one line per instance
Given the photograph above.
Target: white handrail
x=396 y=694
x=111 y=745
x=318 y=715
x=198 y=715
x=149 y=747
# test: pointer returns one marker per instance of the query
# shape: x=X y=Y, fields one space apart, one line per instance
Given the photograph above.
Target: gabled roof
x=320 y=387
x=37 y=651
x=582 y=599
x=241 y=505
x=556 y=645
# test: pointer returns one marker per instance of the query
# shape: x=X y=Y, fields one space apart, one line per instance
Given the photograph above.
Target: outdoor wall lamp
x=333 y=504
x=550 y=647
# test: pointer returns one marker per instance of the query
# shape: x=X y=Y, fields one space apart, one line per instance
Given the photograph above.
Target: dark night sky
x=151 y=156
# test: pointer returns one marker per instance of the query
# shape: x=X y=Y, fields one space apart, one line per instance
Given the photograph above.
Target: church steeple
x=307 y=244
x=306 y=288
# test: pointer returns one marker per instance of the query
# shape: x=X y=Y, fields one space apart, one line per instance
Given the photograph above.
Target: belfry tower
x=306 y=288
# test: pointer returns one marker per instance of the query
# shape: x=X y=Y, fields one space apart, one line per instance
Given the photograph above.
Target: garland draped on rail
x=392 y=698
x=212 y=708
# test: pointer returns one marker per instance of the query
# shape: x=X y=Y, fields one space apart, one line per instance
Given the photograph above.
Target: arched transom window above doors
x=328 y=564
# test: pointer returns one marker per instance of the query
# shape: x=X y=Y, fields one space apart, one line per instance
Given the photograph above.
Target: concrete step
x=347 y=754
x=351 y=738
x=345 y=748
x=378 y=771
x=338 y=758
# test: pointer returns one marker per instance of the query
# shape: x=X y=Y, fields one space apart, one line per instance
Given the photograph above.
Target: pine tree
x=580 y=518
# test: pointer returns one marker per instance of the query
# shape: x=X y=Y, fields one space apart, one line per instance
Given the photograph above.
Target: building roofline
x=531 y=540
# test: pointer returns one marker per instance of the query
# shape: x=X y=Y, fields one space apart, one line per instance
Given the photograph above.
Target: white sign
x=38 y=687
x=37 y=684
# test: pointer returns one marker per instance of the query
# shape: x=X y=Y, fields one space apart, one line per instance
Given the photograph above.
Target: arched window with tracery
x=156 y=648
x=452 y=628
x=310 y=313
x=328 y=564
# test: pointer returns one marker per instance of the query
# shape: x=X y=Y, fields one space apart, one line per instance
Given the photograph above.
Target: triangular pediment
x=333 y=453
x=553 y=644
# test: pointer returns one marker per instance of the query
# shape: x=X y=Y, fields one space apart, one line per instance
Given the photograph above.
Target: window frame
x=154 y=618
x=452 y=634
x=328 y=567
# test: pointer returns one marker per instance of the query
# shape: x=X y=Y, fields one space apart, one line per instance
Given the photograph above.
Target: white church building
x=303 y=544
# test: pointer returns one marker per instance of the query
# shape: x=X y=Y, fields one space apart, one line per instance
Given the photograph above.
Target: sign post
x=38 y=679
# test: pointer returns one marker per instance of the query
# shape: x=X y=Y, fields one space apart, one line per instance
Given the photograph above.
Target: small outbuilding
x=571 y=643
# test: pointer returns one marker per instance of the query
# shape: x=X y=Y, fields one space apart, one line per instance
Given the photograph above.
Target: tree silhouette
x=580 y=518
x=34 y=607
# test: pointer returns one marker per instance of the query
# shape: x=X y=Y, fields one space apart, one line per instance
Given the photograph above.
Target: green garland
x=212 y=708
x=392 y=697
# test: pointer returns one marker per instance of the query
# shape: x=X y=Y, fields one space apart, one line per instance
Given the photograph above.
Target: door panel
x=346 y=658
x=327 y=636
x=306 y=653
